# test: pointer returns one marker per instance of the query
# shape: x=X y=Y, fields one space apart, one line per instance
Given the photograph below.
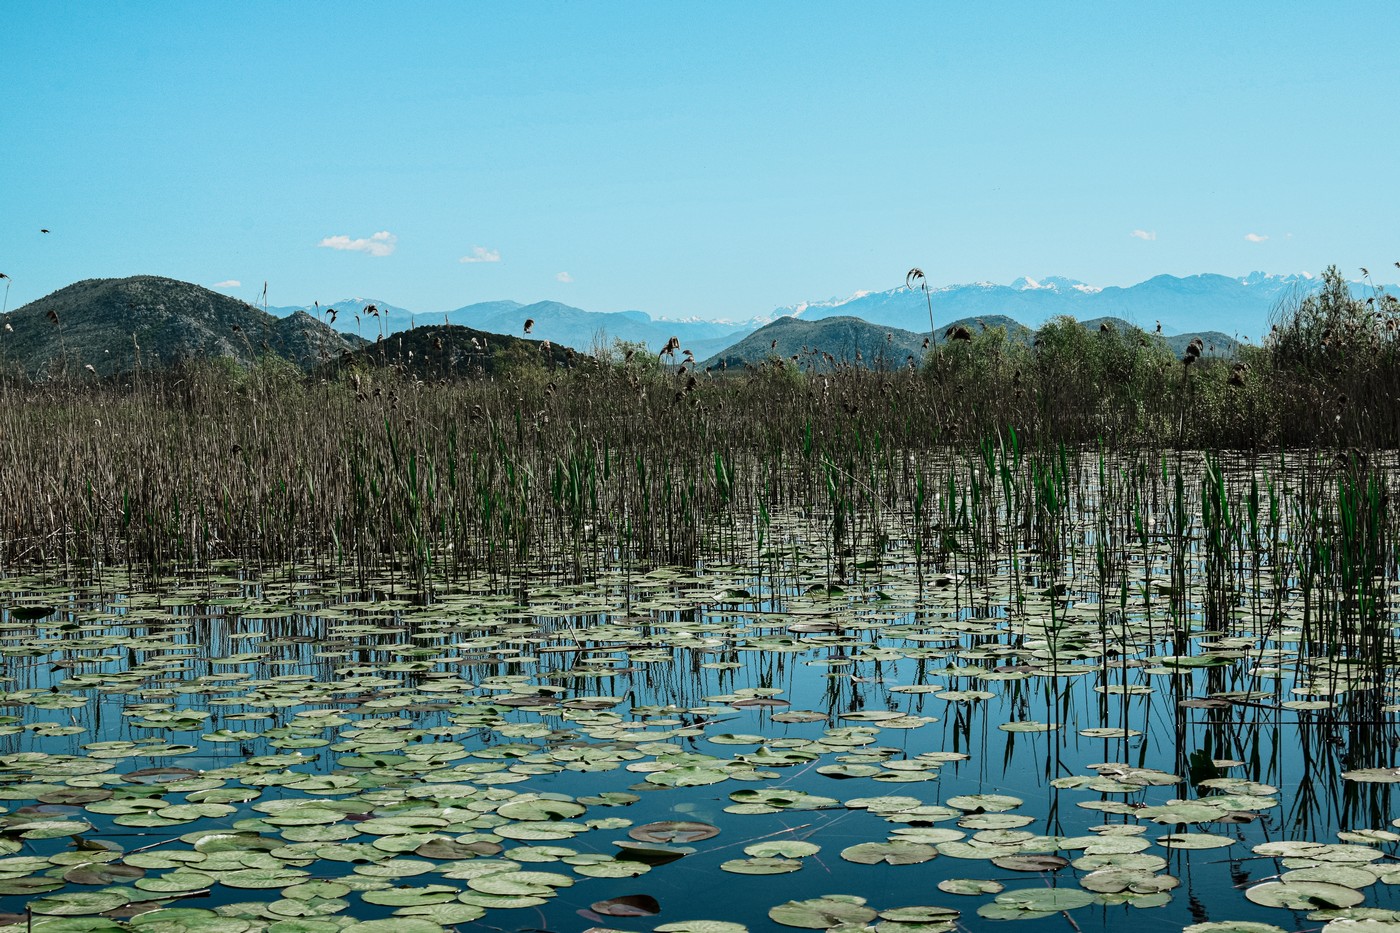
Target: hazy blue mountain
x=586 y=330
x=1192 y=303
x=352 y=316
x=1185 y=306
x=553 y=321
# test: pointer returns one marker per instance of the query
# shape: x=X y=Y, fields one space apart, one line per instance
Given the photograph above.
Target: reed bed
x=568 y=474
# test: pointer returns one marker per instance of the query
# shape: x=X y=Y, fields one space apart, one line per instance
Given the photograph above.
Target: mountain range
x=554 y=321
x=1237 y=306
x=114 y=325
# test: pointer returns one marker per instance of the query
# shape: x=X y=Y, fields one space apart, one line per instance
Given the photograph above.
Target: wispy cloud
x=482 y=254
x=1145 y=234
x=563 y=277
x=1256 y=237
x=228 y=283
x=380 y=244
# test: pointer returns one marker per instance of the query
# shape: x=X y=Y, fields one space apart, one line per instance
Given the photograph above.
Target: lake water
x=1012 y=736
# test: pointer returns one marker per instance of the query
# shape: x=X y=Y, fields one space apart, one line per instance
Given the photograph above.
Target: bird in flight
x=43 y=229
x=529 y=324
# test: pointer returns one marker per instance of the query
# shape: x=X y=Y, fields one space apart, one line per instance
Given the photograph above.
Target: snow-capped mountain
x=1234 y=305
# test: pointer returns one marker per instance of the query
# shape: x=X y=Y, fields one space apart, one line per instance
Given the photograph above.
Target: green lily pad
x=1303 y=895
x=80 y=903
x=1045 y=899
x=889 y=853
x=822 y=912
x=970 y=886
x=628 y=905
x=761 y=866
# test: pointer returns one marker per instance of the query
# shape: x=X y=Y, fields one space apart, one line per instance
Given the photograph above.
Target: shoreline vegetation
x=619 y=458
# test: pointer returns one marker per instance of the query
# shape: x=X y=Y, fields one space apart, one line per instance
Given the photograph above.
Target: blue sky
x=712 y=159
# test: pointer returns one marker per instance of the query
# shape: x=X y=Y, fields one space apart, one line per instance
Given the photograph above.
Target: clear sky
x=714 y=159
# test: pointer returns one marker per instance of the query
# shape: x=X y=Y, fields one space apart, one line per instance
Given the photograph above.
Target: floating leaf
x=1303 y=895
x=970 y=886
x=889 y=853
x=673 y=831
x=1045 y=899
x=628 y=905
x=822 y=912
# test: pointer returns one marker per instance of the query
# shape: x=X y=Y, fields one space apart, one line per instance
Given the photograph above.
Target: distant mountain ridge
x=554 y=321
x=1235 y=305
x=113 y=325
x=1232 y=305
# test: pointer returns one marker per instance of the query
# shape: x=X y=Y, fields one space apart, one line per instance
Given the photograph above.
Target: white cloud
x=1256 y=237
x=563 y=277
x=380 y=244
x=228 y=283
x=482 y=254
x=1145 y=234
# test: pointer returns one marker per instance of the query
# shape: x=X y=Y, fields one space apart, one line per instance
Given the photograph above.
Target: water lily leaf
x=889 y=853
x=517 y=883
x=395 y=925
x=1303 y=895
x=1045 y=899
x=1346 y=875
x=310 y=890
x=1030 y=862
x=682 y=831
x=1373 y=775
x=260 y=878
x=1027 y=726
x=1194 y=841
x=94 y=873
x=761 y=866
x=628 y=905
x=1129 y=860
x=409 y=896
x=920 y=914
x=540 y=808
x=80 y=903
x=782 y=848
x=822 y=912
x=613 y=868
x=195 y=920
x=1009 y=912
x=848 y=771
x=445 y=914
x=984 y=803
x=1119 y=880
x=970 y=886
